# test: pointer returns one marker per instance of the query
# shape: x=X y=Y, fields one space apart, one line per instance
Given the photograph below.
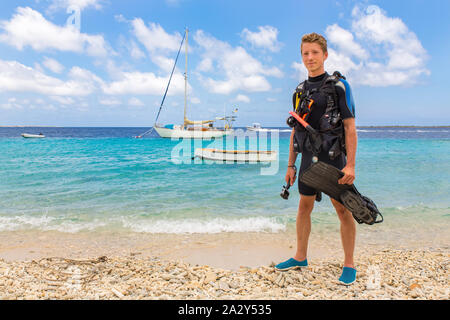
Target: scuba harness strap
x=330 y=136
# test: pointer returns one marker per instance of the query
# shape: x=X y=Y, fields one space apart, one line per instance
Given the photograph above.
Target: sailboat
x=200 y=129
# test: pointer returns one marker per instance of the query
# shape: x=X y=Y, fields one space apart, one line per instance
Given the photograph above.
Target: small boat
x=235 y=155
x=29 y=135
x=257 y=127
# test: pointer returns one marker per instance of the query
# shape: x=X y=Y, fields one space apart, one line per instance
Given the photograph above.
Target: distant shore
x=366 y=127
x=358 y=127
x=30 y=127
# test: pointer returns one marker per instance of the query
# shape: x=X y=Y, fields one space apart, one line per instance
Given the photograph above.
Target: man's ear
x=325 y=56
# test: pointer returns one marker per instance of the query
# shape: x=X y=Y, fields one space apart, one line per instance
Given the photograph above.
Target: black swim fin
x=324 y=177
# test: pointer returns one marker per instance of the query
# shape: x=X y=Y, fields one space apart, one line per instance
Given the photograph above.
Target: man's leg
x=303 y=223
x=348 y=232
x=305 y=208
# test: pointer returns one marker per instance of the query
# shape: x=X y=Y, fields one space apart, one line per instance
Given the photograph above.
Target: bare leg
x=348 y=232
x=303 y=224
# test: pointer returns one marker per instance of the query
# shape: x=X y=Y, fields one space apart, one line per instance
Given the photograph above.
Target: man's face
x=313 y=57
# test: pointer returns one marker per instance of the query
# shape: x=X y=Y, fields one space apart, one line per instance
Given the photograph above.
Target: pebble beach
x=403 y=275
x=387 y=274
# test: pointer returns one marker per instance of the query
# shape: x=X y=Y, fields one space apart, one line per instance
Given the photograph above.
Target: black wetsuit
x=347 y=109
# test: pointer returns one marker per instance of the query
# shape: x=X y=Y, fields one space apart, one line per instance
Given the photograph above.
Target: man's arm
x=292 y=153
x=291 y=173
x=351 y=142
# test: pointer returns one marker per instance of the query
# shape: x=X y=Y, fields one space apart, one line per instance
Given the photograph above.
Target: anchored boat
x=235 y=155
x=36 y=136
x=257 y=128
x=200 y=129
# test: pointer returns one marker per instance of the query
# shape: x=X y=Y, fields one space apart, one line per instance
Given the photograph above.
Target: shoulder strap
x=329 y=88
x=299 y=92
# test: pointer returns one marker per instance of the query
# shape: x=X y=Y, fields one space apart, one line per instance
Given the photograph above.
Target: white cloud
x=16 y=77
x=341 y=62
x=135 y=51
x=53 y=65
x=28 y=27
x=85 y=75
x=164 y=63
x=205 y=65
x=242 y=98
x=404 y=50
x=240 y=69
x=120 y=18
x=300 y=70
x=135 y=102
x=12 y=104
x=144 y=83
x=38 y=67
x=154 y=37
x=158 y=43
x=345 y=42
x=49 y=107
x=110 y=102
x=266 y=38
x=194 y=100
x=63 y=100
x=81 y=4
x=377 y=51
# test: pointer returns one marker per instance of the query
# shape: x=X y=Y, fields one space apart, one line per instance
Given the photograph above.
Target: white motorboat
x=257 y=127
x=235 y=155
x=36 y=136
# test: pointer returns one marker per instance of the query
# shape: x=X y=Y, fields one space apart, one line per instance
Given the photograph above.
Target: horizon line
x=366 y=126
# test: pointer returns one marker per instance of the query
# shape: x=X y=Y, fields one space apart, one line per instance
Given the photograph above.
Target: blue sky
x=107 y=62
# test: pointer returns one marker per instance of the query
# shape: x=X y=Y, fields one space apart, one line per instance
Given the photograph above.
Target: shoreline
x=229 y=250
x=54 y=265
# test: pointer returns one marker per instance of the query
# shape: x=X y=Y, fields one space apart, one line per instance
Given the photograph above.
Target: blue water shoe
x=291 y=264
x=348 y=276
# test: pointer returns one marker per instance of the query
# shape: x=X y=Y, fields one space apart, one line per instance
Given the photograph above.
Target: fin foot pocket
x=358 y=207
x=324 y=178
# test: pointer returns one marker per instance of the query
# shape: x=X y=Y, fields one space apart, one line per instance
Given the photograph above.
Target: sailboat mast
x=185 y=79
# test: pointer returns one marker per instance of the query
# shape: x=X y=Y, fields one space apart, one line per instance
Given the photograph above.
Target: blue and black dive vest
x=331 y=127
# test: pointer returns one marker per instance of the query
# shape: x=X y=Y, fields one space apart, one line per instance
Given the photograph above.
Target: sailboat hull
x=191 y=134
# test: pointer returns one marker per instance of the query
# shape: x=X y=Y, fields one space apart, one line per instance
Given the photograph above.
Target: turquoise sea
x=102 y=179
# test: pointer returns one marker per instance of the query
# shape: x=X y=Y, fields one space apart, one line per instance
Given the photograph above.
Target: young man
x=316 y=102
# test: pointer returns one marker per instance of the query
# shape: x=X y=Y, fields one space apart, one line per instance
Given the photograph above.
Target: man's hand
x=349 y=175
x=291 y=175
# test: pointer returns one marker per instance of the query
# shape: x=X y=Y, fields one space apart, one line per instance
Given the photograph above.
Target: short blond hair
x=315 y=38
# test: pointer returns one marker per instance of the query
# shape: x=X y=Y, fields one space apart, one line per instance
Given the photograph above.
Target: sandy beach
x=52 y=265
